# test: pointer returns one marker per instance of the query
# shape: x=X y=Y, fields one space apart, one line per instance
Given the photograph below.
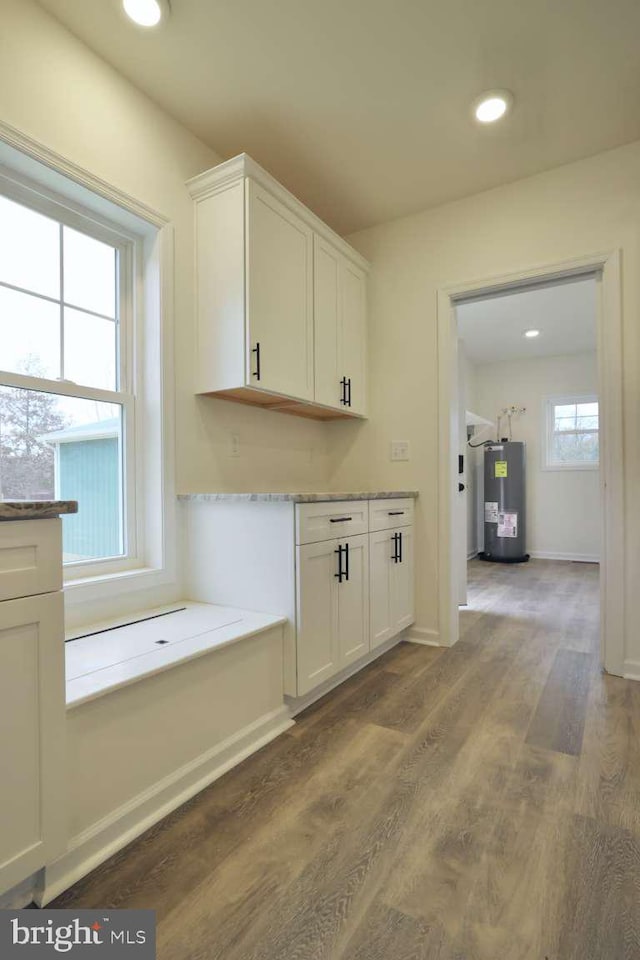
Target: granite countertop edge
x=300 y=497
x=36 y=509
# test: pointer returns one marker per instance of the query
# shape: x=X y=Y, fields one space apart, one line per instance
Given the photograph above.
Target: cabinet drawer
x=327 y=521
x=30 y=557
x=385 y=514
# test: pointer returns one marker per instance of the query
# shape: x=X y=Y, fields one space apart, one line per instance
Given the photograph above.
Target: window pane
x=66 y=447
x=565 y=423
x=89 y=350
x=29 y=335
x=587 y=409
x=575 y=447
x=587 y=423
x=29 y=249
x=89 y=273
x=565 y=410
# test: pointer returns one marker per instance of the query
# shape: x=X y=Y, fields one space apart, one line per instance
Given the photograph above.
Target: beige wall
x=582 y=208
x=563 y=506
x=54 y=89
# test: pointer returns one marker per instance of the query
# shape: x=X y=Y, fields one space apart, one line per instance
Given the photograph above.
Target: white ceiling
x=492 y=329
x=362 y=107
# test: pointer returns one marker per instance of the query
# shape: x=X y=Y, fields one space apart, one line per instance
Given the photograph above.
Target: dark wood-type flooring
x=476 y=802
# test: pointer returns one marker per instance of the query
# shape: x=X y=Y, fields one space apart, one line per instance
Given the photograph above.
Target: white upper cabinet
x=340 y=329
x=279 y=309
x=281 y=299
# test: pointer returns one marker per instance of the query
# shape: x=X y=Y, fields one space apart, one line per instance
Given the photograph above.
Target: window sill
x=103 y=662
x=106 y=585
x=563 y=468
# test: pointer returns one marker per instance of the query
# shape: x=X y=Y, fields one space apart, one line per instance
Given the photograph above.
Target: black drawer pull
x=395 y=513
x=256 y=350
x=339 y=519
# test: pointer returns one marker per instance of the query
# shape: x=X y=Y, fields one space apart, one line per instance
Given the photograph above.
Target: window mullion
x=61 y=302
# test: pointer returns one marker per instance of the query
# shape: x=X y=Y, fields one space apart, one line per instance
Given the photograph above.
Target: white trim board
x=631 y=670
x=606 y=267
x=423 y=635
x=573 y=557
x=109 y=835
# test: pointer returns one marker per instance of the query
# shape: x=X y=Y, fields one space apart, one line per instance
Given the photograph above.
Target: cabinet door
x=352 y=343
x=32 y=736
x=318 y=653
x=353 y=600
x=402 y=599
x=381 y=551
x=279 y=277
x=340 y=334
x=326 y=315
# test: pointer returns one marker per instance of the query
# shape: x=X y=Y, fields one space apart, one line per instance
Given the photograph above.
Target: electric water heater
x=504 y=502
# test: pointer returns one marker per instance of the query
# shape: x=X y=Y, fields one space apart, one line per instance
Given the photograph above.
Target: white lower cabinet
x=332 y=591
x=391 y=583
x=32 y=757
x=324 y=565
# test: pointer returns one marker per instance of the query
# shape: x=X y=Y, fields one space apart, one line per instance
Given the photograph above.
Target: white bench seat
x=105 y=658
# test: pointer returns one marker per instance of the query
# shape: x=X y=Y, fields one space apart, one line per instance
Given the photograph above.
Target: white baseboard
x=21 y=895
x=631 y=670
x=297 y=704
x=472 y=555
x=101 y=840
x=429 y=638
x=575 y=557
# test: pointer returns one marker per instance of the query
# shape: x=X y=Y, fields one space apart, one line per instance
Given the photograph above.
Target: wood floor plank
x=601 y=907
x=558 y=723
x=440 y=805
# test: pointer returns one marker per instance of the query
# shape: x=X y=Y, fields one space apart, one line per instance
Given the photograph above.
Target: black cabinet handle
x=339 y=519
x=256 y=350
x=395 y=513
x=395 y=548
x=343 y=391
x=342 y=574
x=400 y=547
x=349 y=392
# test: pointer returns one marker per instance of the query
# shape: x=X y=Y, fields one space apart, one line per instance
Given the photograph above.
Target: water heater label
x=507 y=524
x=501 y=468
x=490 y=511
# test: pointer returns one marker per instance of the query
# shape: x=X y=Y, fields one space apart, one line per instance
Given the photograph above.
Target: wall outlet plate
x=399 y=450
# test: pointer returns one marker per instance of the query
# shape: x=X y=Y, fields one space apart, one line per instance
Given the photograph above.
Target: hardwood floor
x=478 y=802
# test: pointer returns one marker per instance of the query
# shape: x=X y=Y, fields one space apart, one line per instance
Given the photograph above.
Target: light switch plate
x=399 y=450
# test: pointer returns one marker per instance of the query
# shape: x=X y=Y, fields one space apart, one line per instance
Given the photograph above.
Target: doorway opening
x=544 y=415
x=528 y=436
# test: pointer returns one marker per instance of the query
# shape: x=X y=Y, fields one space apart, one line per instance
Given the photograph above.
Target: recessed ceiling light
x=146 y=13
x=492 y=105
x=531 y=334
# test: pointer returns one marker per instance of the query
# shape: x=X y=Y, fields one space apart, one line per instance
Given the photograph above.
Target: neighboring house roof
x=98 y=430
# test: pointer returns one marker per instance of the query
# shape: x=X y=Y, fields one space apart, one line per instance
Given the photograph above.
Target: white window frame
x=151 y=577
x=128 y=377
x=550 y=403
